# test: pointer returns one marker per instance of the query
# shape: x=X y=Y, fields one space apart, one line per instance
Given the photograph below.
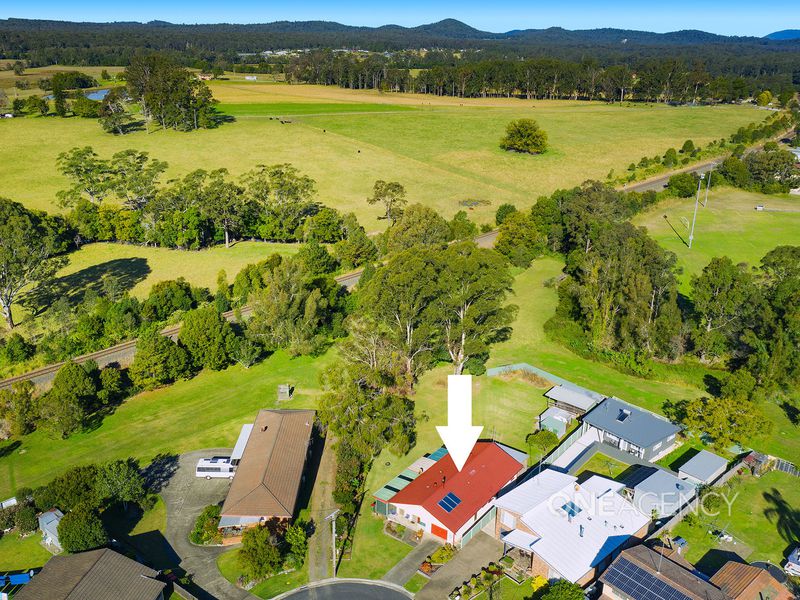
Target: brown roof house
x=95 y=575
x=640 y=573
x=268 y=479
x=748 y=582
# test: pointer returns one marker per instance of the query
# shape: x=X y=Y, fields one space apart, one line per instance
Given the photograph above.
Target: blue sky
x=732 y=17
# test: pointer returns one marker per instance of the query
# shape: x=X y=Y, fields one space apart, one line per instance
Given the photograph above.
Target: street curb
x=323 y=582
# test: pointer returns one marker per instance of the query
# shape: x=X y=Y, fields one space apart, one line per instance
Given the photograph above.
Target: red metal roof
x=486 y=471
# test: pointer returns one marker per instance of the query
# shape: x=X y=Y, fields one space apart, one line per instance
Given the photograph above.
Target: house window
x=657 y=446
x=508 y=519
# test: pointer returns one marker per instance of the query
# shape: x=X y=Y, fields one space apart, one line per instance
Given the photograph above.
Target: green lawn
x=228 y=565
x=374 y=552
x=444 y=152
x=603 y=465
x=204 y=412
x=728 y=226
x=750 y=522
x=510 y=590
x=18 y=553
x=416 y=583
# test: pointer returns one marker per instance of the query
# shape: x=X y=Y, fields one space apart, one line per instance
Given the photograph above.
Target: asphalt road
x=348 y=590
x=659 y=183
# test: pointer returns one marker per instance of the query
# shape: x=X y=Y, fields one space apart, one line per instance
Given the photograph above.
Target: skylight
x=571 y=509
x=449 y=502
x=623 y=414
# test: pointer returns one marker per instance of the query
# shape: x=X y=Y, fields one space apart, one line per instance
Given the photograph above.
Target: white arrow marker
x=459 y=435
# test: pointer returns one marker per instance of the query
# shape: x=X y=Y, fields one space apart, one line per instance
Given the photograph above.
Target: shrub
x=25 y=519
x=205 y=526
x=683 y=185
x=81 y=530
x=443 y=554
x=524 y=135
x=258 y=557
x=7 y=517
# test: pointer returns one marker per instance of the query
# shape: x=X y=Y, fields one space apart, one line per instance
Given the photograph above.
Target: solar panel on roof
x=640 y=584
x=449 y=502
x=438 y=454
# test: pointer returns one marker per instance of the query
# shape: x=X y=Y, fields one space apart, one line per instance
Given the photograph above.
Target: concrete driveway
x=481 y=550
x=186 y=496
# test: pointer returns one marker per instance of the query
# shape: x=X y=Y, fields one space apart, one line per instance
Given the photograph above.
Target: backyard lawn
x=603 y=465
x=763 y=521
x=18 y=553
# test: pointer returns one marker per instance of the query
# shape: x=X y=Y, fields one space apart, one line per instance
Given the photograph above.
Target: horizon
x=733 y=18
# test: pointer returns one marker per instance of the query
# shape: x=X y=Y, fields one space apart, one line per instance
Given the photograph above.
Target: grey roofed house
x=663 y=493
x=703 y=467
x=631 y=429
x=48 y=523
x=95 y=575
x=573 y=398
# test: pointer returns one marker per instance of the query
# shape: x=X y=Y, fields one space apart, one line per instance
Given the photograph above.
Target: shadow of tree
x=785 y=517
x=73 y=287
x=10 y=448
x=713 y=560
x=791 y=411
x=158 y=473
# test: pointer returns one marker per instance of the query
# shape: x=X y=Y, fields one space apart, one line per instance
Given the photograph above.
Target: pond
x=97 y=95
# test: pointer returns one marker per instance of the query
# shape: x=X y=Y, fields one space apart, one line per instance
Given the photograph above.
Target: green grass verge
x=228 y=565
x=204 y=412
x=374 y=552
x=18 y=553
x=416 y=583
x=751 y=522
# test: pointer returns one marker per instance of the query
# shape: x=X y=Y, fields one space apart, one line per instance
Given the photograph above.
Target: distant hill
x=785 y=34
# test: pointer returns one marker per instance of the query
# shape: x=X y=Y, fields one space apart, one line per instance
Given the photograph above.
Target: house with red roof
x=433 y=496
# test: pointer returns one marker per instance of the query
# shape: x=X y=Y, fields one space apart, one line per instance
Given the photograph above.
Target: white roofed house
x=559 y=529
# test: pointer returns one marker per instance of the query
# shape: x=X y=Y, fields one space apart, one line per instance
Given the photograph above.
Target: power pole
x=696 y=203
x=332 y=518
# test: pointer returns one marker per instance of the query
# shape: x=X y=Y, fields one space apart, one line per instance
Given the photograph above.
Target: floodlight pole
x=708 y=185
x=696 y=203
x=332 y=518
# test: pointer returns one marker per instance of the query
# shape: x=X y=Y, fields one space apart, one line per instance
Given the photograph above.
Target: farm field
x=33 y=75
x=728 y=225
x=445 y=151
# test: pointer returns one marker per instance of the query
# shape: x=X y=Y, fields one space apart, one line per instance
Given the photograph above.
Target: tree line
x=619 y=302
x=665 y=80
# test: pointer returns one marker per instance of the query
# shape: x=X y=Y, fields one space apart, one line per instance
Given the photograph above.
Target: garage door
x=482 y=522
x=439 y=531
